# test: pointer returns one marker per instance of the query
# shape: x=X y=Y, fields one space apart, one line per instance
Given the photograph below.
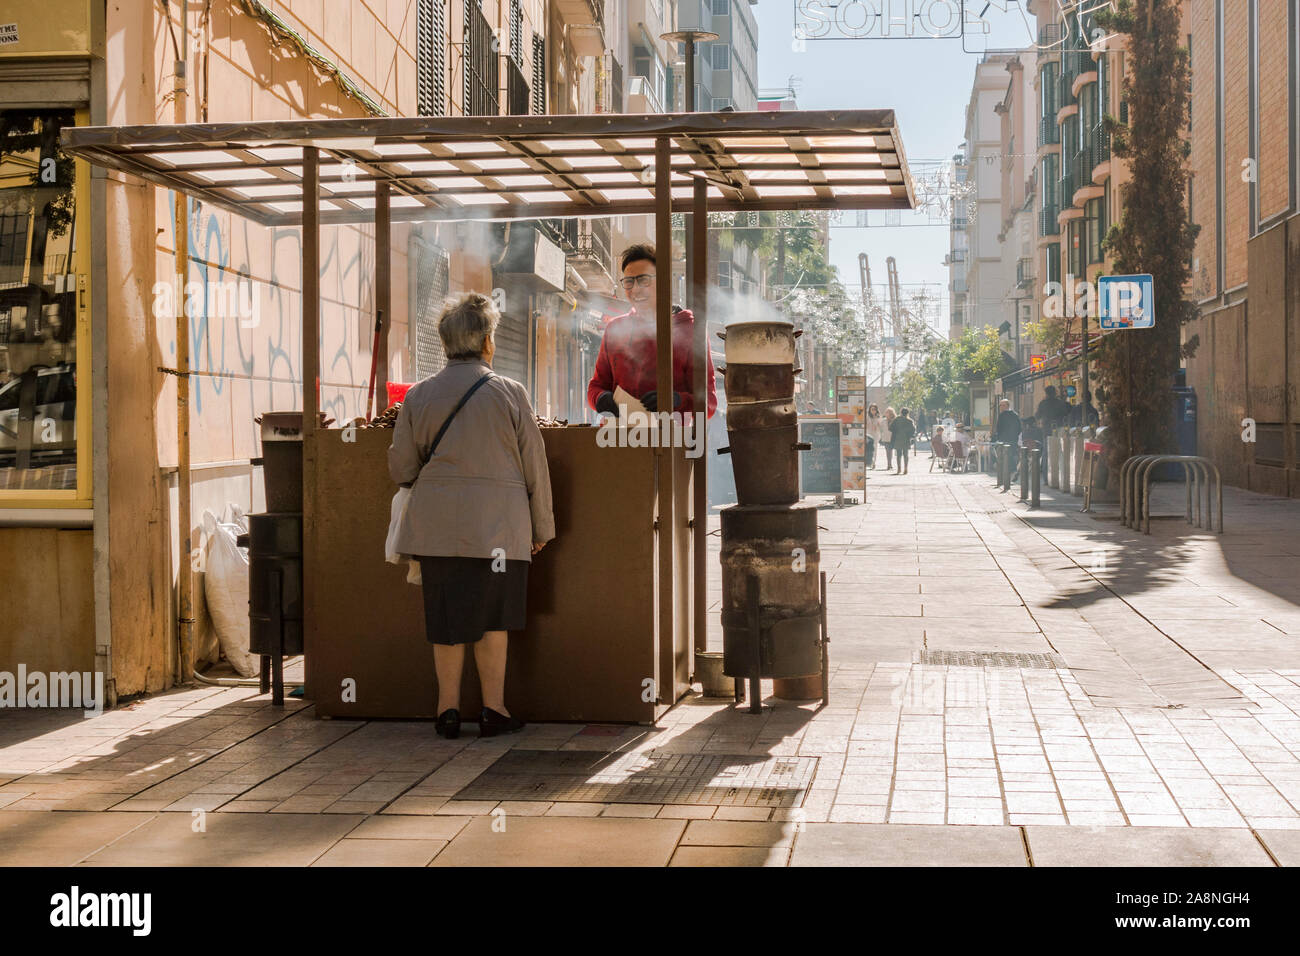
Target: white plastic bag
x=226 y=589
x=395 y=514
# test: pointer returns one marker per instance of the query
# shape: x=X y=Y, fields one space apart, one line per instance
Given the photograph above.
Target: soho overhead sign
x=885 y=19
x=934 y=19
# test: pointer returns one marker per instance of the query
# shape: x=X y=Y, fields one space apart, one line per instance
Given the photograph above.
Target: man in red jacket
x=628 y=350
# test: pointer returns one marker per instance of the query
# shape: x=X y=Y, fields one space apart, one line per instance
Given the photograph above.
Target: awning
x=518 y=167
x=1050 y=366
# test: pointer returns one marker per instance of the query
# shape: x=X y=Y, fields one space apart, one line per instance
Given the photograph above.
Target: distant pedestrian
x=1052 y=411
x=1083 y=414
x=923 y=424
x=902 y=433
x=1007 y=429
x=1031 y=435
x=886 y=438
x=874 y=430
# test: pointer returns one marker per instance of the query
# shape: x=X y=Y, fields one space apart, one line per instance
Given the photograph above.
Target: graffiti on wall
x=244 y=303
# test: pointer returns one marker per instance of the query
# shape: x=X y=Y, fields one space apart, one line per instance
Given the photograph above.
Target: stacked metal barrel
x=771 y=607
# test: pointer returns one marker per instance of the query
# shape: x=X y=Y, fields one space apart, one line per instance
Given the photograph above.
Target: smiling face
x=642 y=293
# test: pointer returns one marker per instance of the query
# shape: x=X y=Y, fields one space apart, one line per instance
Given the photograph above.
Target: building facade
x=1245 y=195
x=89 y=543
x=986 y=275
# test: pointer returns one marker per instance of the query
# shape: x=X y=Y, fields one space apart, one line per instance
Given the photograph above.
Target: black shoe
x=449 y=723
x=491 y=723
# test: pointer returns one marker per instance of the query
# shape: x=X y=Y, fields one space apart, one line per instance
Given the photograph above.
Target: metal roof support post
x=383 y=290
x=310 y=382
x=698 y=265
x=665 y=685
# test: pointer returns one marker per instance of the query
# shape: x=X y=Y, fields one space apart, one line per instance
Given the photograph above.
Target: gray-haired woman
x=467 y=443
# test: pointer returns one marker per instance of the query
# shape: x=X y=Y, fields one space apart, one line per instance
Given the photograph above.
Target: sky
x=925 y=81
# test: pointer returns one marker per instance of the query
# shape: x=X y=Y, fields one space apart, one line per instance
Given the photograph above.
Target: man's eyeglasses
x=642 y=280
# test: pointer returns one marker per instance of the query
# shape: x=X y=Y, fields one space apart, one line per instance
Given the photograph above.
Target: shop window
x=38 y=304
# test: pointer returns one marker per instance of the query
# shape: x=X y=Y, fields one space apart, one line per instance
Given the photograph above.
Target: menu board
x=819 y=468
x=851 y=409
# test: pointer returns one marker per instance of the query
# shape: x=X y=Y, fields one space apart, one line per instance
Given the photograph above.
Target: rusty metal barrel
x=776 y=545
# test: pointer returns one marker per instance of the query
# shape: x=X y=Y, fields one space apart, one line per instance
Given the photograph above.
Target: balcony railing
x=1064 y=87
x=1098 y=149
x=641 y=96
x=1049 y=133
x=1049 y=35
x=564 y=232
x=1024 y=273
x=595 y=245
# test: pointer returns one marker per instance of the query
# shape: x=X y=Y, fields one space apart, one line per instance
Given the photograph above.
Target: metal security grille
x=652 y=777
x=539 y=75
x=431 y=281
x=517 y=33
x=517 y=95
x=989 y=659
x=431 y=58
x=482 y=76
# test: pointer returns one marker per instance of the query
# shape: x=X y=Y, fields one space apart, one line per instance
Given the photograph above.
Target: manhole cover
x=988 y=659
x=583 y=776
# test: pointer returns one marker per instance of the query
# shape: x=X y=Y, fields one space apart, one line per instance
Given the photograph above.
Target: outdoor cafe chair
x=940 y=451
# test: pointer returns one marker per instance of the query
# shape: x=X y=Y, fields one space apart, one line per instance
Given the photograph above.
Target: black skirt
x=463 y=597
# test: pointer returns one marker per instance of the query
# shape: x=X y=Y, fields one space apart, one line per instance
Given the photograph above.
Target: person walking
x=922 y=425
x=466 y=443
x=1007 y=430
x=874 y=431
x=902 y=434
x=886 y=436
x=1051 y=411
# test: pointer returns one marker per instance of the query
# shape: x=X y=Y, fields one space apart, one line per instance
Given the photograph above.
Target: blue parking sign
x=1126 y=302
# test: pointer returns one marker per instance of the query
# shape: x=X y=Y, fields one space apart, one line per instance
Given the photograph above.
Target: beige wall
x=47 y=576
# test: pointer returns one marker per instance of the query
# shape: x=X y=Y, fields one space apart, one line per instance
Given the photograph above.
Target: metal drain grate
x=988 y=659
x=585 y=776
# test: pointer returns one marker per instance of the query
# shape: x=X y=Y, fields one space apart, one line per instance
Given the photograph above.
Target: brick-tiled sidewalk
x=1136 y=699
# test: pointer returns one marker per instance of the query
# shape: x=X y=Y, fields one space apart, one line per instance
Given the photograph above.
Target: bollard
x=1066 y=467
x=1053 y=459
x=1007 y=451
x=1035 y=476
x=1077 y=437
x=1024 y=473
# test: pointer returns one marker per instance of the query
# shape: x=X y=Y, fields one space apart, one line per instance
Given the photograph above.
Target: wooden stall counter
x=591 y=651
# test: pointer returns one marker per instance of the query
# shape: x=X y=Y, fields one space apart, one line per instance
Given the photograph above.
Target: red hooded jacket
x=627 y=358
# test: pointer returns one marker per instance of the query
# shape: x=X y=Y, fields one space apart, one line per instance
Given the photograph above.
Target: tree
x=941 y=379
x=1154 y=234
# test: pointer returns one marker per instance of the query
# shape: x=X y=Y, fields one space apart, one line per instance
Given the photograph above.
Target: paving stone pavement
x=1158 y=721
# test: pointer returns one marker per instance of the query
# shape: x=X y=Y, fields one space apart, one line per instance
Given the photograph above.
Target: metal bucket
x=708 y=671
x=768 y=414
x=765 y=463
x=760 y=342
x=746 y=382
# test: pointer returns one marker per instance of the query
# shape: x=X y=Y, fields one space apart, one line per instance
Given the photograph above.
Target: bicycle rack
x=1135 y=473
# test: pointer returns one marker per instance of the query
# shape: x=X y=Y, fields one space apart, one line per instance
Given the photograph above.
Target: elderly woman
x=467 y=443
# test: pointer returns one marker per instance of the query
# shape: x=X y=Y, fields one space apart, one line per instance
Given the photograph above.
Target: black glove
x=605 y=403
x=651 y=401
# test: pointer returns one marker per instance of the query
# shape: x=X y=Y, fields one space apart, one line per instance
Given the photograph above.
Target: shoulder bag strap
x=459 y=405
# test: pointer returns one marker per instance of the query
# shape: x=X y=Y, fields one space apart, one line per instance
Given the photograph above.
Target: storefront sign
x=1036 y=360
x=548 y=263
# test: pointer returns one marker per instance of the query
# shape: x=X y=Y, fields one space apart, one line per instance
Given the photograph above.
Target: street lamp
x=690 y=38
